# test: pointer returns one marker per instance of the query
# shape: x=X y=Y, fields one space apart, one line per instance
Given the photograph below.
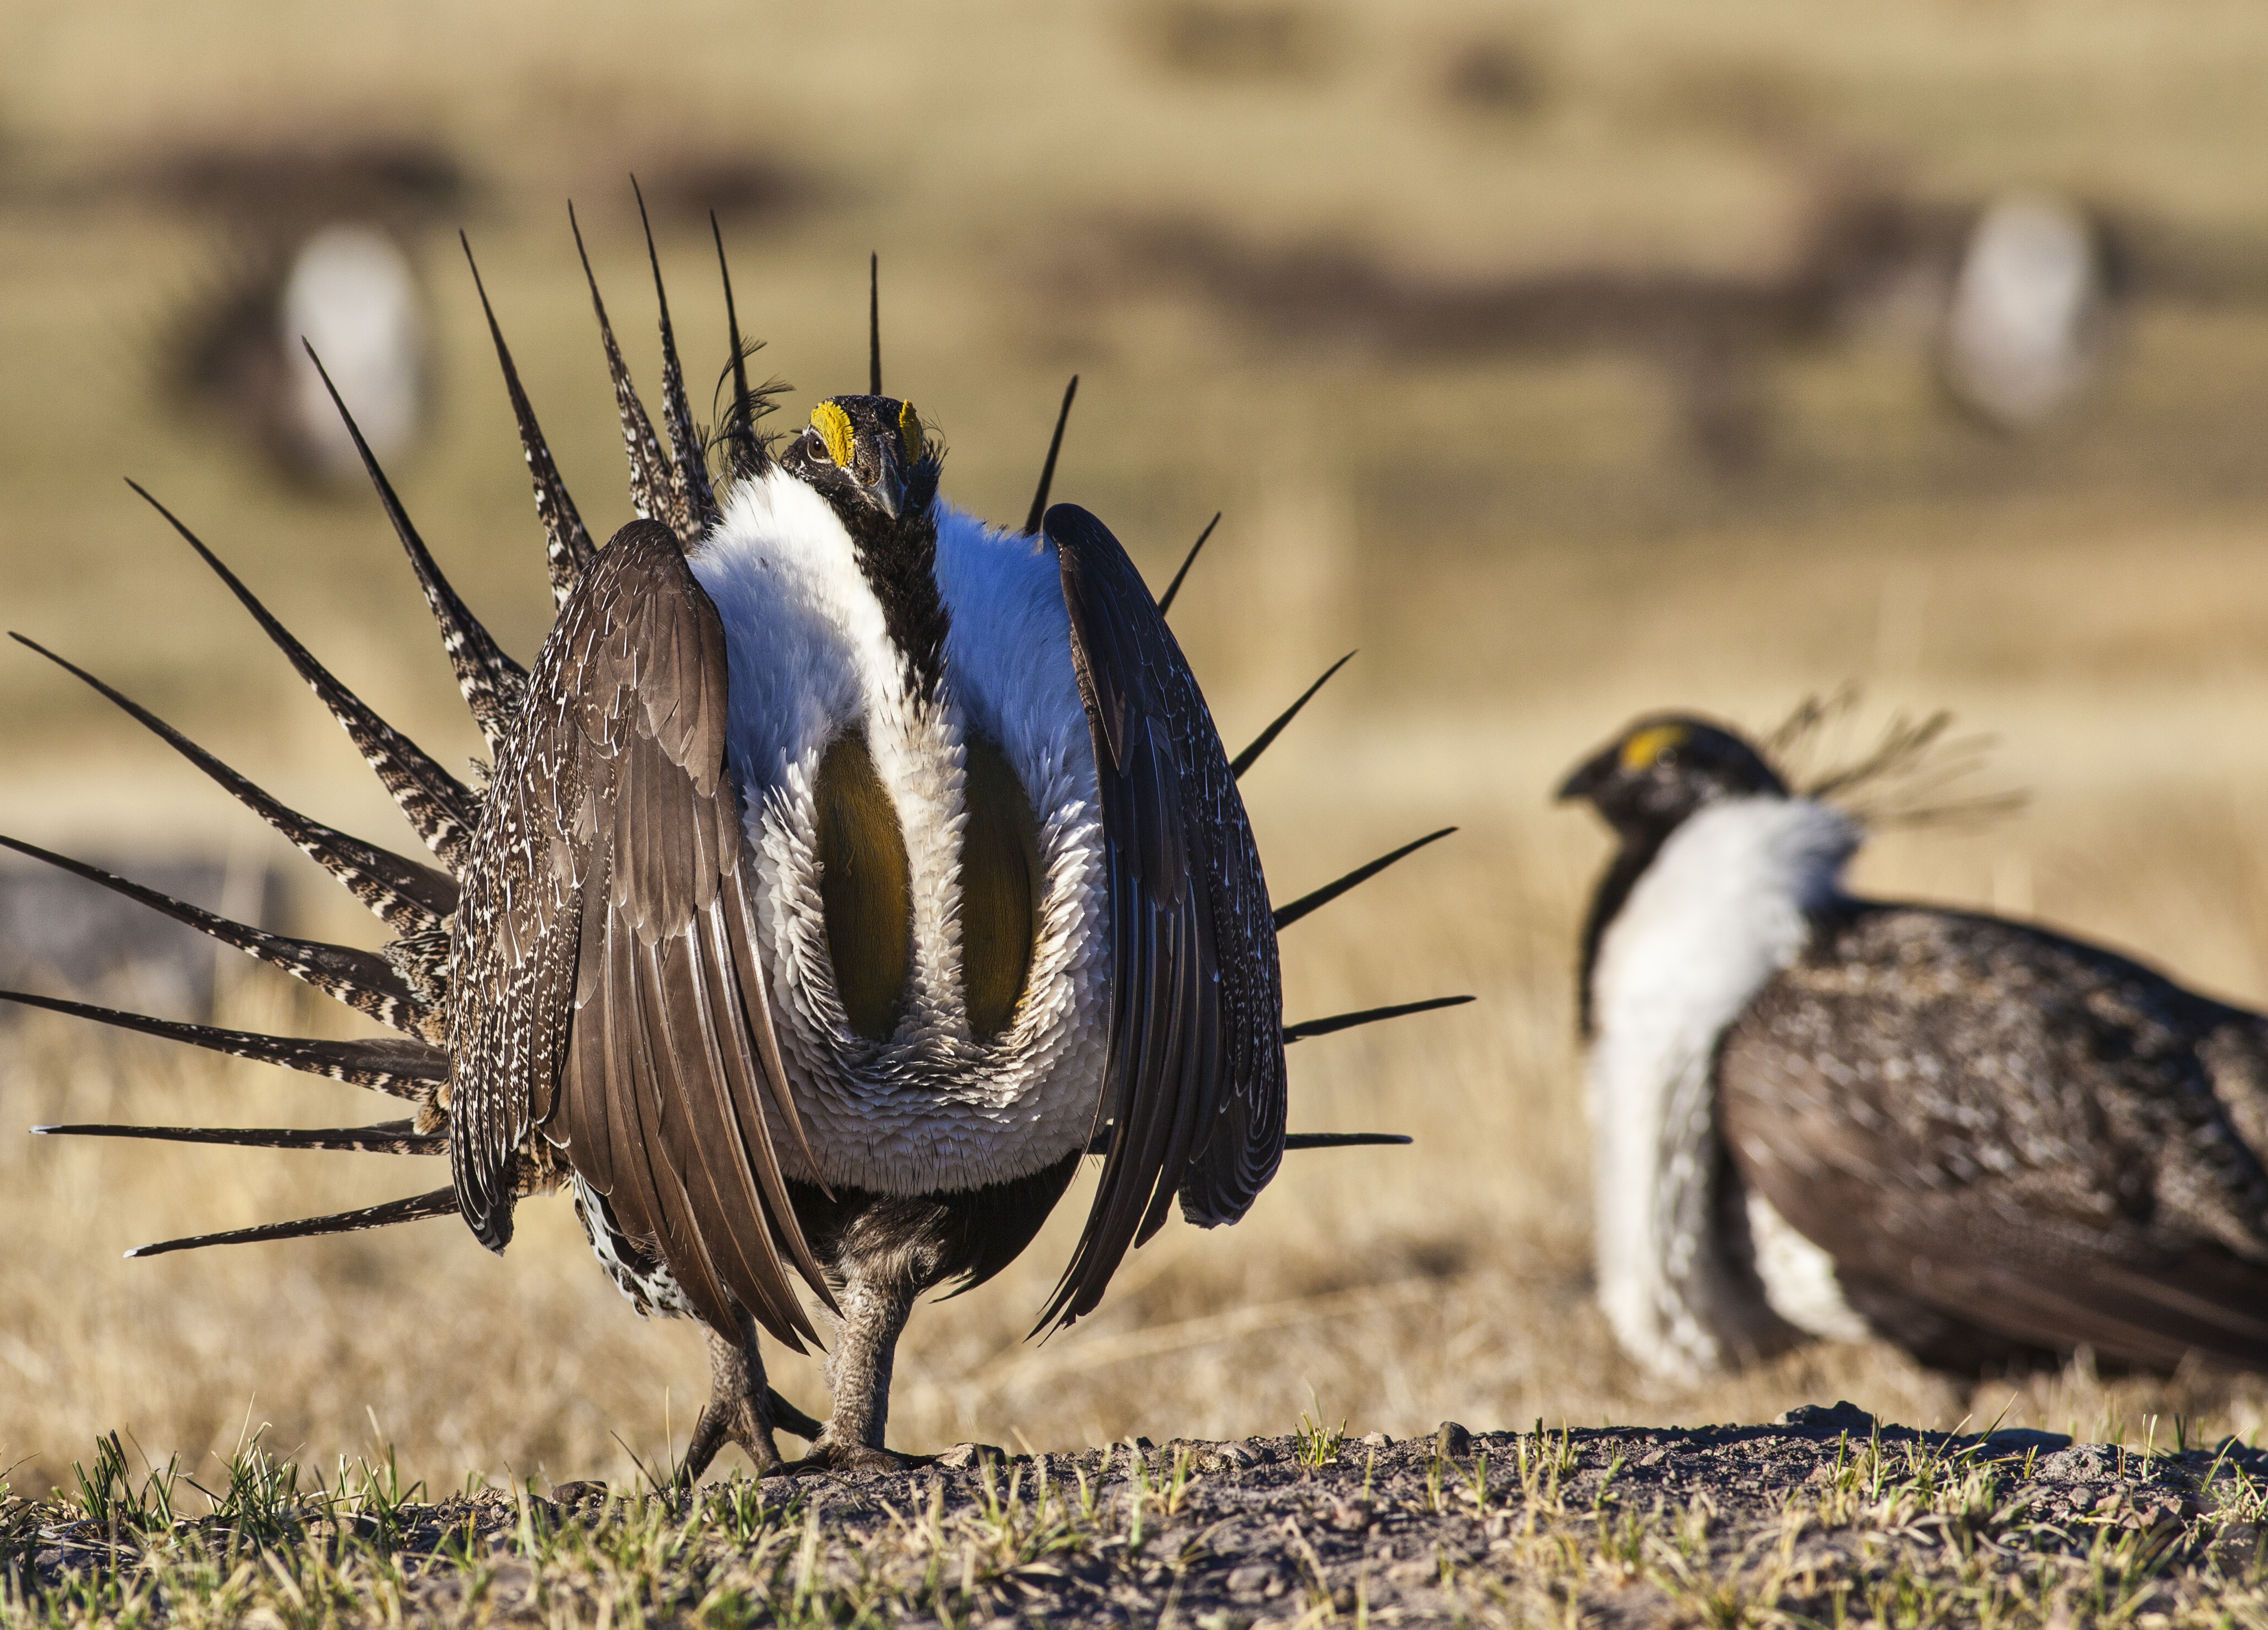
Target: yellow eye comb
x=834 y=427
x=1648 y=745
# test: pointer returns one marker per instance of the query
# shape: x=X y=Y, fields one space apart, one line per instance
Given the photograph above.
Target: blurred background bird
x=1817 y=1114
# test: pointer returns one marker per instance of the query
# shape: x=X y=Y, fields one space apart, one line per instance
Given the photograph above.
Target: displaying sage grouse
x=848 y=870
x=1817 y=1114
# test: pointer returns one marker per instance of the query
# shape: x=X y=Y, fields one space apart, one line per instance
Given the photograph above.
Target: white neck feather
x=932 y=1107
x=1725 y=906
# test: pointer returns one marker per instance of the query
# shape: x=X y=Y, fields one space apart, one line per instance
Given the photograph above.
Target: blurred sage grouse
x=1815 y=1114
x=848 y=870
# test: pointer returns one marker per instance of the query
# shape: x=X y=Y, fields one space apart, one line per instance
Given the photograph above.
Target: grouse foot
x=837 y=1454
x=742 y=1409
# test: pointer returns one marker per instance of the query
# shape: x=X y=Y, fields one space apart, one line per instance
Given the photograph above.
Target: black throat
x=1639 y=847
x=898 y=560
x=897 y=555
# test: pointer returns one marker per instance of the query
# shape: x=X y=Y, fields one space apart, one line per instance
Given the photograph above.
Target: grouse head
x=1663 y=768
x=870 y=458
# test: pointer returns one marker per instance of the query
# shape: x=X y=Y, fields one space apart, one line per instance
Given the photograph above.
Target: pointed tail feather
x=1307 y=1027
x=1266 y=738
x=689 y=475
x=568 y=549
x=748 y=456
x=492 y=682
x=1286 y=915
x=385 y=1138
x=1165 y=603
x=362 y=980
x=416 y=1208
x=875 y=327
x=654 y=488
x=1293 y=1141
x=439 y=806
x=403 y=1068
x=406 y=896
x=1048 y=470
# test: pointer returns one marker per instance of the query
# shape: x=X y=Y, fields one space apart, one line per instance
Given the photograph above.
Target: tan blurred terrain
x=1530 y=533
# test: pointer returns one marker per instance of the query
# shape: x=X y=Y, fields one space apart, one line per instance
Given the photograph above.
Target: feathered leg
x=742 y=1408
x=876 y=1300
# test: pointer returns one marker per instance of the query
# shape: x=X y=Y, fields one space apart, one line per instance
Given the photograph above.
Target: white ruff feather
x=1799 y=1277
x=1722 y=909
x=932 y=1108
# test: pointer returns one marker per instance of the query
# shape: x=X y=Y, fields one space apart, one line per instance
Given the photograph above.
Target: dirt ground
x=1823 y=1516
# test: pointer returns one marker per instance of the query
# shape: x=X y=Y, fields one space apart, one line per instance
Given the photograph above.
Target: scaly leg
x=741 y=1409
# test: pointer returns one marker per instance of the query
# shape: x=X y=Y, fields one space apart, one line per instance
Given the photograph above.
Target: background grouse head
x=1659 y=771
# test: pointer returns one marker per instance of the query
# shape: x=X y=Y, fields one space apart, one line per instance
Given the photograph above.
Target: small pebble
x=1249 y=1580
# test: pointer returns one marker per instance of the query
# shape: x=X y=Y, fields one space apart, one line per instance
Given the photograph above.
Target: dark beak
x=1587 y=778
x=888 y=489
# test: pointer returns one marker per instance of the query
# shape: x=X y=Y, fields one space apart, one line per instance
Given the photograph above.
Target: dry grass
x=1522 y=547
x=1719 y=1526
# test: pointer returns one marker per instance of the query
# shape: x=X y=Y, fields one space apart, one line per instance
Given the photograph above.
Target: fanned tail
x=406 y=896
x=385 y=1137
x=407 y=1068
x=1307 y=1027
x=1286 y=915
x=362 y=980
x=416 y=1208
x=439 y=806
x=492 y=682
x=653 y=487
x=568 y=549
x=689 y=474
x=1266 y=738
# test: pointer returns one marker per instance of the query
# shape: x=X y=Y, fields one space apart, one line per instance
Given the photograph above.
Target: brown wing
x=1193 y=1092
x=2006 y=1139
x=608 y=991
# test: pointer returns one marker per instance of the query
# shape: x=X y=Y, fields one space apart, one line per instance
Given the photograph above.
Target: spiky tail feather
x=568 y=549
x=416 y=1208
x=1266 y=738
x=442 y=809
x=1293 y=1141
x=385 y=1137
x=1173 y=588
x=1286 y=915
x=1048 y=470
x=654 y=485
x=493 y=684
x=402 y=1068
x=406 y=896
x=1307 y=1027
x=362 y=980
x=689 y=474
